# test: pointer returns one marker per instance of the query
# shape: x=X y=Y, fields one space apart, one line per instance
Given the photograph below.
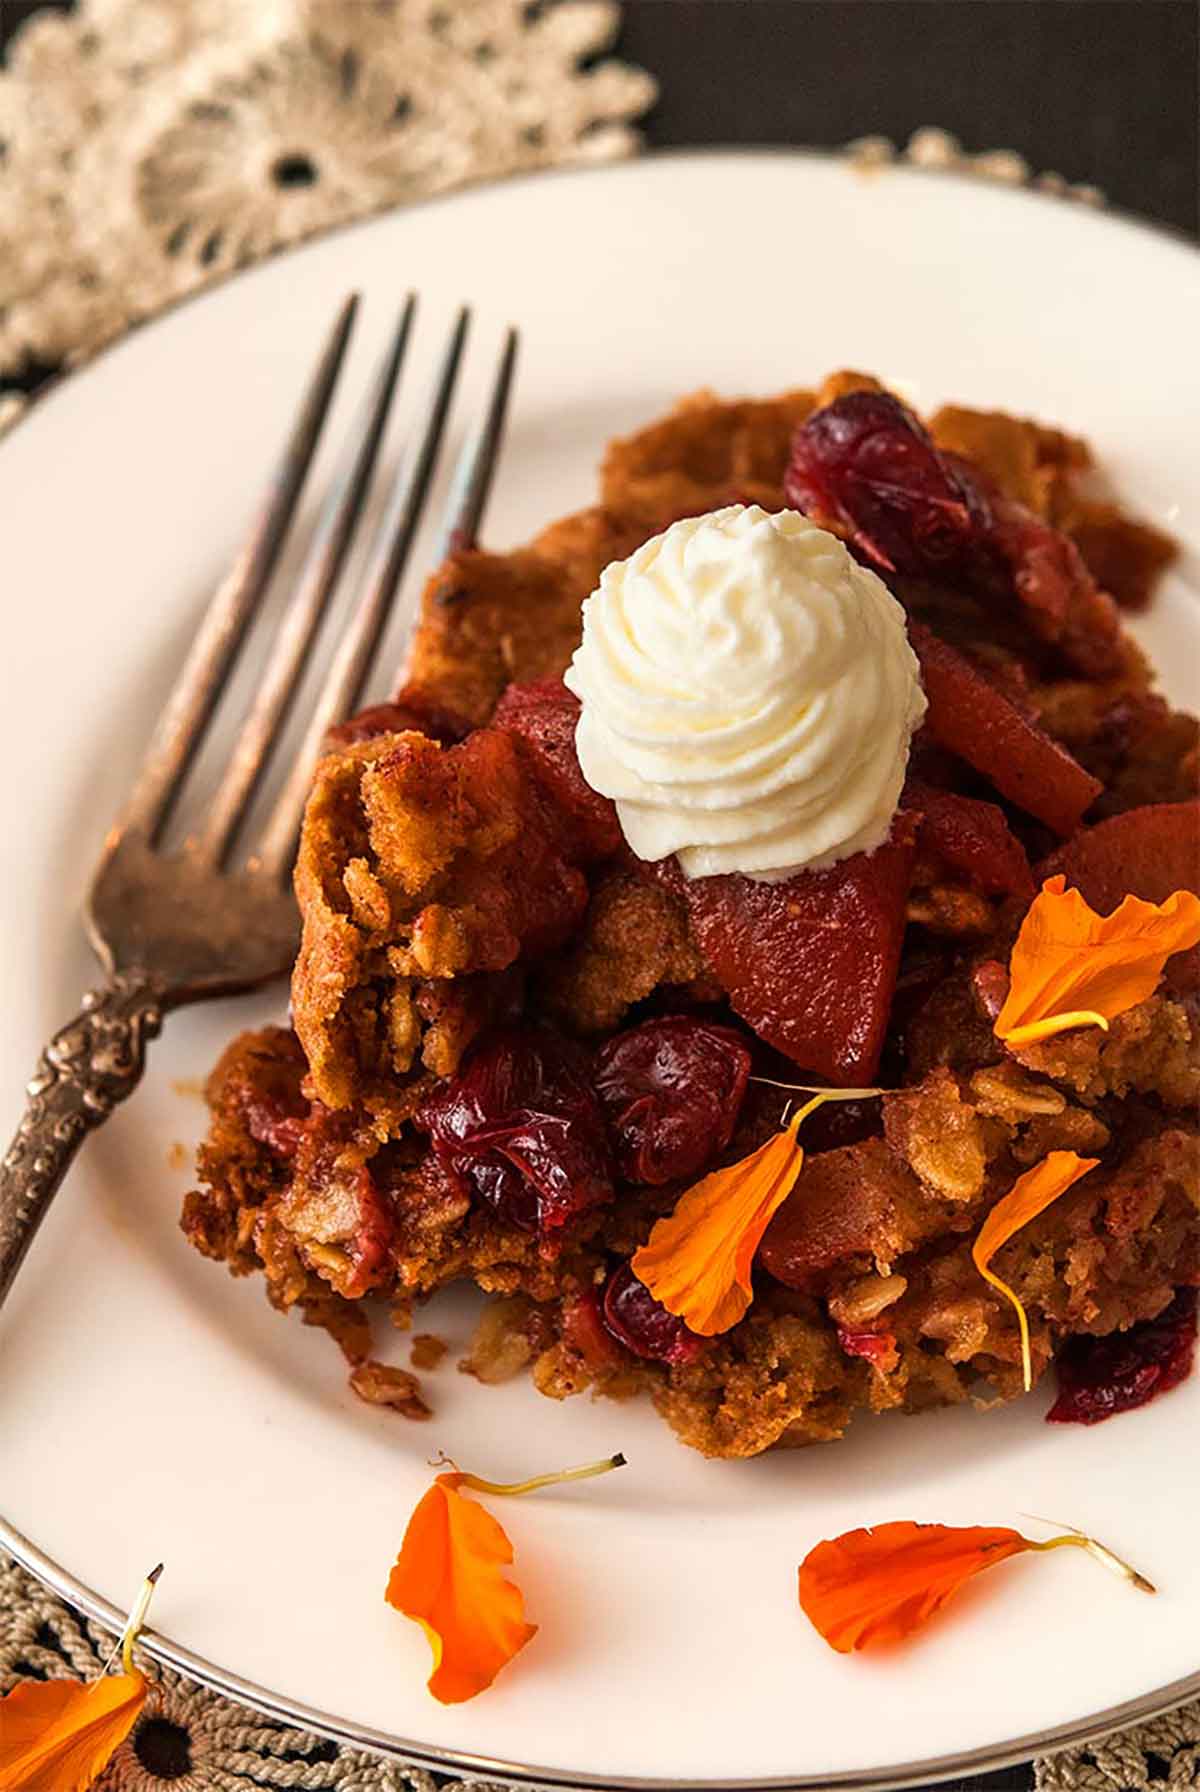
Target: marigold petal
x=59 y=1735
x=877 y=1586
x=697 y=1259
x=448 y=1578
x=1072 y=967
x=1029 y=1195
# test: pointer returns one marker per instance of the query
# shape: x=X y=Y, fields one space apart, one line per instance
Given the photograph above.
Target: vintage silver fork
x=172 y=927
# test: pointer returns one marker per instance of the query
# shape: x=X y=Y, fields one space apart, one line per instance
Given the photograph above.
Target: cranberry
x=643 y=1325
x=972 y=840
x=520 y=1126
x=671 y=1090
x=990 y=983
x=545 y=716
x=584 y=1332
x=1099 y=1377
x=840 y=1123
x=865 y=467
x=874 y=1347
x=275 y=1123
x=865 y=464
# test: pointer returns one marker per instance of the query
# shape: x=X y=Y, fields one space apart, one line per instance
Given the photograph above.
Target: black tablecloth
x=1103 y=91
x=1100 y=91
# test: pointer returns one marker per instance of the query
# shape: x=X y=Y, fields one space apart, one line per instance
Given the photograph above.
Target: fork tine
x=318 y=576
x=477 y=463
x=234 y=602
x=389 y=556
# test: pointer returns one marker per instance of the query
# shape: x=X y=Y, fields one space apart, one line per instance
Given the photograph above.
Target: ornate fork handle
x=90 y=1065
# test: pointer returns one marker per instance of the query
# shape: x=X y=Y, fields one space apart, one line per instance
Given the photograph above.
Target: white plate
x=151 y=1407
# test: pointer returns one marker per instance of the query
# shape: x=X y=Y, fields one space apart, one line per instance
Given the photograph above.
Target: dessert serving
x=758 y=946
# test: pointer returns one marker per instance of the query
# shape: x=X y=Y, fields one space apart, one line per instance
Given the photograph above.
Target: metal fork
x=179 y=926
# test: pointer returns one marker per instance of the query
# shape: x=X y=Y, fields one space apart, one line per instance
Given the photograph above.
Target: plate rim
x=674 y=152
x=164 y=1649
x=910 y=1774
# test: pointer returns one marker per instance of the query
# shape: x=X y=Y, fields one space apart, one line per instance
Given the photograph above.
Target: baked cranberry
x=971 y=840
x=545 y=716
x=1100 y=1377
x=642 y=1324
x=671 y=1091
x=840 y=1123
x=866 y=465
x=583 y=1330
x=275 y=1124
x=873 y=1347
x=264 y=1088
x=990 y=983
x=520 y=1126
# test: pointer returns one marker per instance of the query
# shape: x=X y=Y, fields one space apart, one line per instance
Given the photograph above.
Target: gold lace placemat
x=152 y=146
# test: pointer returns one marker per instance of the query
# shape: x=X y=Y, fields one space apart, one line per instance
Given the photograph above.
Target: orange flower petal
x=1071 y=967
x=1029 y=1195
x=447 y=1577
x=59 y=1735
x=697 y=1259
x=878 y=1586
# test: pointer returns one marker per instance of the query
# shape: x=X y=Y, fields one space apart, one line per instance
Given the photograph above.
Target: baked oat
x=490 y=983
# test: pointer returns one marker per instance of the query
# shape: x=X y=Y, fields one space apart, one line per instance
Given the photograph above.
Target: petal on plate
x=448 y=1578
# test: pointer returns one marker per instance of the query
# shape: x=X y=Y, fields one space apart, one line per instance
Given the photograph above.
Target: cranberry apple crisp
x=516 y=1044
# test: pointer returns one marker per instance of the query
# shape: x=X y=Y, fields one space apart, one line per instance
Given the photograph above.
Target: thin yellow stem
x=793 y=1124
x=1101 y=1553
x=816 y=1089
x=1034 y=1030
x=989 y=1275
x=137 y=1618
x=584 y=1473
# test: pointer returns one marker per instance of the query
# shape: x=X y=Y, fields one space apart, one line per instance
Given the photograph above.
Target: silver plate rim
x=481 y=1770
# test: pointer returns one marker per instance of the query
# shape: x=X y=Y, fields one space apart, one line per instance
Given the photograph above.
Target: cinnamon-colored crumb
x=379 y=1384
x=427 y=1350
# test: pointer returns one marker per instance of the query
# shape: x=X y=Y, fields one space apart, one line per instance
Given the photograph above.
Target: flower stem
x=1033 y=1030
x=584 y=1473
x=137 y=1618
x=816 y=1089
x=1100 y=1551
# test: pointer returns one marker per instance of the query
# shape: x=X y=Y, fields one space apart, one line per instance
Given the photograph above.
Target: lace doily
x=193 y=1740
x=149 y=146
x=188 y=1739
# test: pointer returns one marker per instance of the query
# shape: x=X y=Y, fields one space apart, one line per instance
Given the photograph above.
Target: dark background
x=1102 y=91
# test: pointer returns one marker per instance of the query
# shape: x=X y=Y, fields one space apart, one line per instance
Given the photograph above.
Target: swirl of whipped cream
x=748 y=696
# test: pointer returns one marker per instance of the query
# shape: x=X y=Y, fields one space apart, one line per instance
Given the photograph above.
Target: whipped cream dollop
x=748 y=696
